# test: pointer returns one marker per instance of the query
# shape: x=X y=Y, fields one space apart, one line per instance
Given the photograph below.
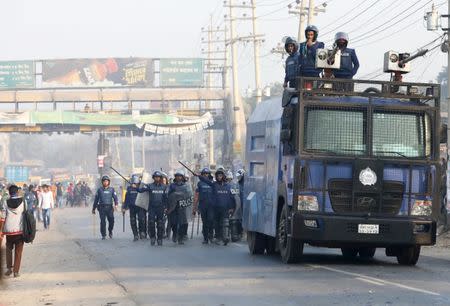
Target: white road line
x=374 y=279
x=369 y=281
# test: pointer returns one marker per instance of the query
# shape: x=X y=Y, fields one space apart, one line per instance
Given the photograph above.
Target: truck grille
x=342 y=195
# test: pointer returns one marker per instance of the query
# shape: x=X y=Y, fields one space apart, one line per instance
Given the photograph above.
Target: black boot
x=136 y=238
x=159 y=242
x=205 y=240
x=152 y=241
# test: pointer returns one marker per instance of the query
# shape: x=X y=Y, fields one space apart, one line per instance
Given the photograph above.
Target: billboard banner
x=181 y=72
x=107 y=72
x=17 y=74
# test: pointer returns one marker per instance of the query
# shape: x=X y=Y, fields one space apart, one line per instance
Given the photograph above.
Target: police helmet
x=220 y=169
x=179 y=173
x=106 y=178
x=290 y=40
x=314 y=29
x=229 y=175
x=164 y=175
x=134 y=179
x=205 y=171
x=341 y=35
x=157 y=173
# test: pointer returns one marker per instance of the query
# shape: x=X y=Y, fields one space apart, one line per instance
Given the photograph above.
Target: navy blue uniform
x=206 y=200
x=104 y=200
x=223 y=201
x=136 y=212
x=157 y=205
x=307 y=59
x=349 y=64
x=291 y=69
x=179 y=199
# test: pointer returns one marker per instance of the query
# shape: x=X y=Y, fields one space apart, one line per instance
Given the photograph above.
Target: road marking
x=369 y=281
x=374 y=279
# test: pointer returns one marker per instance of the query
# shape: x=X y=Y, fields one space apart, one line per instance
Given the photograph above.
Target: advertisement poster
x=17 y=74
x=107 y=72
x=181 y=72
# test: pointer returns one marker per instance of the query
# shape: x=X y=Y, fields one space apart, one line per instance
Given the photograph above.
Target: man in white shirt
x=46 y=203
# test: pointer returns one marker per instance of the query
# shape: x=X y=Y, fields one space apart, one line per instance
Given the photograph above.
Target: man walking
x=105 y=201
x=136 y=212
x=46 y=203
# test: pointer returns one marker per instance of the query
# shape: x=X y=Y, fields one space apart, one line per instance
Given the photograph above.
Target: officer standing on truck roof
x=106 y=201
x=291 y=69
x=349 y=60
x=307 y=53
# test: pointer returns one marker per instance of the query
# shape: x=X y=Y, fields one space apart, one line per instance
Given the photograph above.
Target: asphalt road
x=70 y=265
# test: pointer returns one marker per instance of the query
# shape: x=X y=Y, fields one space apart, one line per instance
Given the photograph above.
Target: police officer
x=292 y=62
x=105 y=201
x=349 y=60
x=136 y=212
x=156 y=207
x=179 y=199
x=224 y=204
x=307 y=53
x=203 y=202
x=235 y=217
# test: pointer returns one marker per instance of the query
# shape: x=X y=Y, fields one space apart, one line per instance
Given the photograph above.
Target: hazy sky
x=46 y=29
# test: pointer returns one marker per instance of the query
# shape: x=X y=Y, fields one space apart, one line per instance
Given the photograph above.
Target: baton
x=121 y=175
x=198 y=223
x=123 y=221
x=192 y=230
x=187 y=168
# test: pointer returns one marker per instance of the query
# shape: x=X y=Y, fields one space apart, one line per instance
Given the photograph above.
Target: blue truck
x=349 y=164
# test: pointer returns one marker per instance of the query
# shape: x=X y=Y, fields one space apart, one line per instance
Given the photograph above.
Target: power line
x=344 y=15
x=365 y=36
x=353 y=17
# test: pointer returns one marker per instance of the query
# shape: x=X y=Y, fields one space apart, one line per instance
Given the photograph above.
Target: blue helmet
x=314 y=29
x=157 y=173
x=179 y=173
x=289 y=41
x=341 y=35
x=106 y=178
x=135 y=179
x=205 y=170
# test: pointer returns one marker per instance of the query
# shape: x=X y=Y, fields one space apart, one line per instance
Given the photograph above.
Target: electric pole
x=256 y=55
x=238 y=117
x=303 y=11
x=311 y=12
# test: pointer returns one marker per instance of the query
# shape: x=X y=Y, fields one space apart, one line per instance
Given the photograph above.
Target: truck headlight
x=307 y=203
x=422 y=208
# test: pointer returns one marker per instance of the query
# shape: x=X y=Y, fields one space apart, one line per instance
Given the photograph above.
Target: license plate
x=368 y=228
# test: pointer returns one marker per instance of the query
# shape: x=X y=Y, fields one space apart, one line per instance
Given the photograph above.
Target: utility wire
x=344 y=15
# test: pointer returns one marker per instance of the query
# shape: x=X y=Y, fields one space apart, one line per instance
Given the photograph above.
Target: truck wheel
x=349 y=253
x=291 y=249
x=367 y=253
x=256 y=243
x=408 y=256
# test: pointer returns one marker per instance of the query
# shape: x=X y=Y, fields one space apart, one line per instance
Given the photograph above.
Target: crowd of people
x=172 y=203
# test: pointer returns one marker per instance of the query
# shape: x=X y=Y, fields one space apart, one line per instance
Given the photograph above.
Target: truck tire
x=367 y=253
x=408 y=256
x=349 y=253
x=256 y=243
x=291 y=249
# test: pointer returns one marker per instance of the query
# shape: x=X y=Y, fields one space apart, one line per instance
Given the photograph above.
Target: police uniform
x=156 y=207
x=136 y=212
x=205 y=199
x=104 y=200
x=179 y=199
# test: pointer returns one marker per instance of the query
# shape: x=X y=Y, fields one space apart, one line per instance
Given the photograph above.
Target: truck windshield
x=344 y=132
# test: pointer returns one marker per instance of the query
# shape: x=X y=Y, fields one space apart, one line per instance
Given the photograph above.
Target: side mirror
x=443 y=134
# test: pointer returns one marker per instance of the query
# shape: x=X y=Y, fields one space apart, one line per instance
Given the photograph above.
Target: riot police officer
x=349 y=60
x=179 y=199
x=236 y=216
x=292 y=62
x=224 y=204
x=105 y=201
x=136 y=212
x=307 y=53
x=203 y=202
x=156 y=207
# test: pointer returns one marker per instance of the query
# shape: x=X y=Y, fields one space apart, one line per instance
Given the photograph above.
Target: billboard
x=17 y=74
x=181 y=72
x=106 y=72
x=17 y=174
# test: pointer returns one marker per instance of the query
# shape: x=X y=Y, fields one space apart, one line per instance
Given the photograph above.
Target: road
x=67 y=265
